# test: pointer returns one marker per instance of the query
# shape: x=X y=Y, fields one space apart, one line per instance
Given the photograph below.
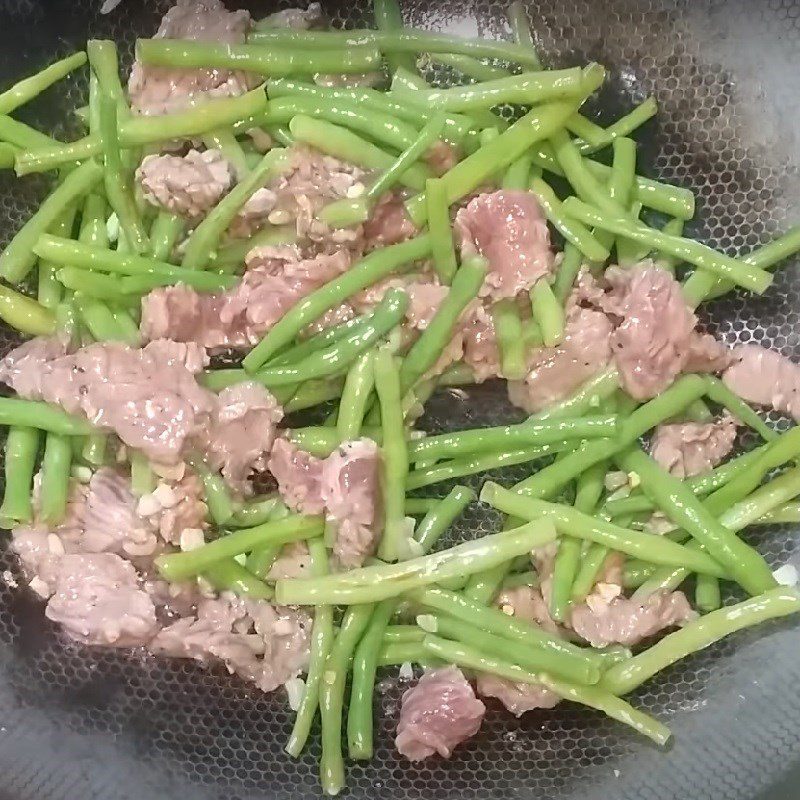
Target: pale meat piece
x=706 y=354
x=691 y=448
x=557 y=372
x=157 y=90
x=389 y=223
x=481 y=351
x=242 y=432
x=437 y=715
x=277 y=278
x=509 y=229
x=765 y=378
x=264 y=644
x=97 y=600
x=651 y=344
x=442 y=157
x=298 y=19
x=149 y=397
x=189 y=186
x=516 y=697
x=344 y=486
x=253 y=215
x=527 y=603
x=602 y=621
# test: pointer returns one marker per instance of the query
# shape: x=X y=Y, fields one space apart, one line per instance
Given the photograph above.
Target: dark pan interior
x=78 y=723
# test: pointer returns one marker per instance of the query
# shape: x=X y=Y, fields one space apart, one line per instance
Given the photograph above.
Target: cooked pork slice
x=350 y=491
x=149 y=397
x=442 y=157
x=602 y=621
x=706 y=354
x=277 y=278
x=559 y=371
x=242 y=431
x=516 y=697
x=689 y=448
x=264 y=644
x=509 y=229
x=161 y=90
x=301 y=20
x=299 y=477
x=189 y=185
x=39 y=552
x=651 y=344
x=389 y=223
x=97 y=600
x=344 y=485
x=437 y=714
x=481 y=352
x=765 y=378
x=527 y=603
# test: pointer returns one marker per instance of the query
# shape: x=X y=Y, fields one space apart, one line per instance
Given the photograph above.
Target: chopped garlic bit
x=81 y=473
x=427 y=622
x=148 y=505
x=295 y=689
x=167 y=497
x=406 y=671
x=615 y=480
x=39 y=586
x=507 y=609
x=170 y=472
x=634 y=480
x=356 y=190
x=786 y=575
x=191 y=539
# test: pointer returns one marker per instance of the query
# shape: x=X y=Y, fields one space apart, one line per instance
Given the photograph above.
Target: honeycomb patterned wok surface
x=92 y=724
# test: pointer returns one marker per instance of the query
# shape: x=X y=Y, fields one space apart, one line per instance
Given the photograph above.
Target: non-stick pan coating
x=79 y=724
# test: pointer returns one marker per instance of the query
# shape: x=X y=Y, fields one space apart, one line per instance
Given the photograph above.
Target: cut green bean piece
x=25 y=90
x=441 y=517
x=469 y=66
x=440 y=230
x=230 y=575
x=54 y=491
x=167 y=229
x=547 y=312
x=510 y=341
x=521 y=28
x=625 y=677
x=720 y=393
x=22 y=447
x=358 y=386
x=624 y=126
x=217 y=497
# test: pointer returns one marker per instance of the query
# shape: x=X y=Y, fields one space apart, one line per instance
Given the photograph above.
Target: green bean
x=217 y=497
x=424 y=353
x=205 y=237
x=547 y=312
x=700 y=633
x=374 y=583
x=516 y=579
x=510 y=341
x=178 y=566
x=93 y=223
x=529 y=658
x=257 y=512
x=527 y=89
x=707 y=593
x=260 y=561
x=788 y=513
x=338 y=356
x=321 y=641
x=365 y=662
x=571 y=522
x=25 y=90
x=8 y=155
x=587 y=398
x=703 y=285
x=101 y=323
x=54 y=490
x=36 y=414
x=584 y=128
x=402 y=634
x=567 y=272
x=521 y=28
x=312 y=393
x=470 y=465
x=518 y=174
x=525 y=635
x=394 y=457
x=742 y=562
x=153 y=273
x=358 y=386
x=223 y=139
x=720 y=393
x=270 y=61
x=111 y=288
x=624 y=126
x=50 y=291
x=440 y=230
x=18 y=258
x=688 y=250
x=94 y=451
x=666 y=405
x=143 y=479
x=394 y=654
x=21 y=135
x=384 y=129
x=441 y=517
x=416 y=506
x=456 y=125
x=333 y=140
x=475 y=659
x=118 y=185
x=331 y=696
x=230 y=575
x=469 y=66
x=167 y=229
x=468 y=174
x=531 y=432
x=573 y=231
x=565 y=566
x=371 y=269
x=22 y=447
x=145 y=130
x=388 y=17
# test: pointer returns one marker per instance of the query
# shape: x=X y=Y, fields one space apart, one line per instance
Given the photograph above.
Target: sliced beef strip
x=690 y=448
